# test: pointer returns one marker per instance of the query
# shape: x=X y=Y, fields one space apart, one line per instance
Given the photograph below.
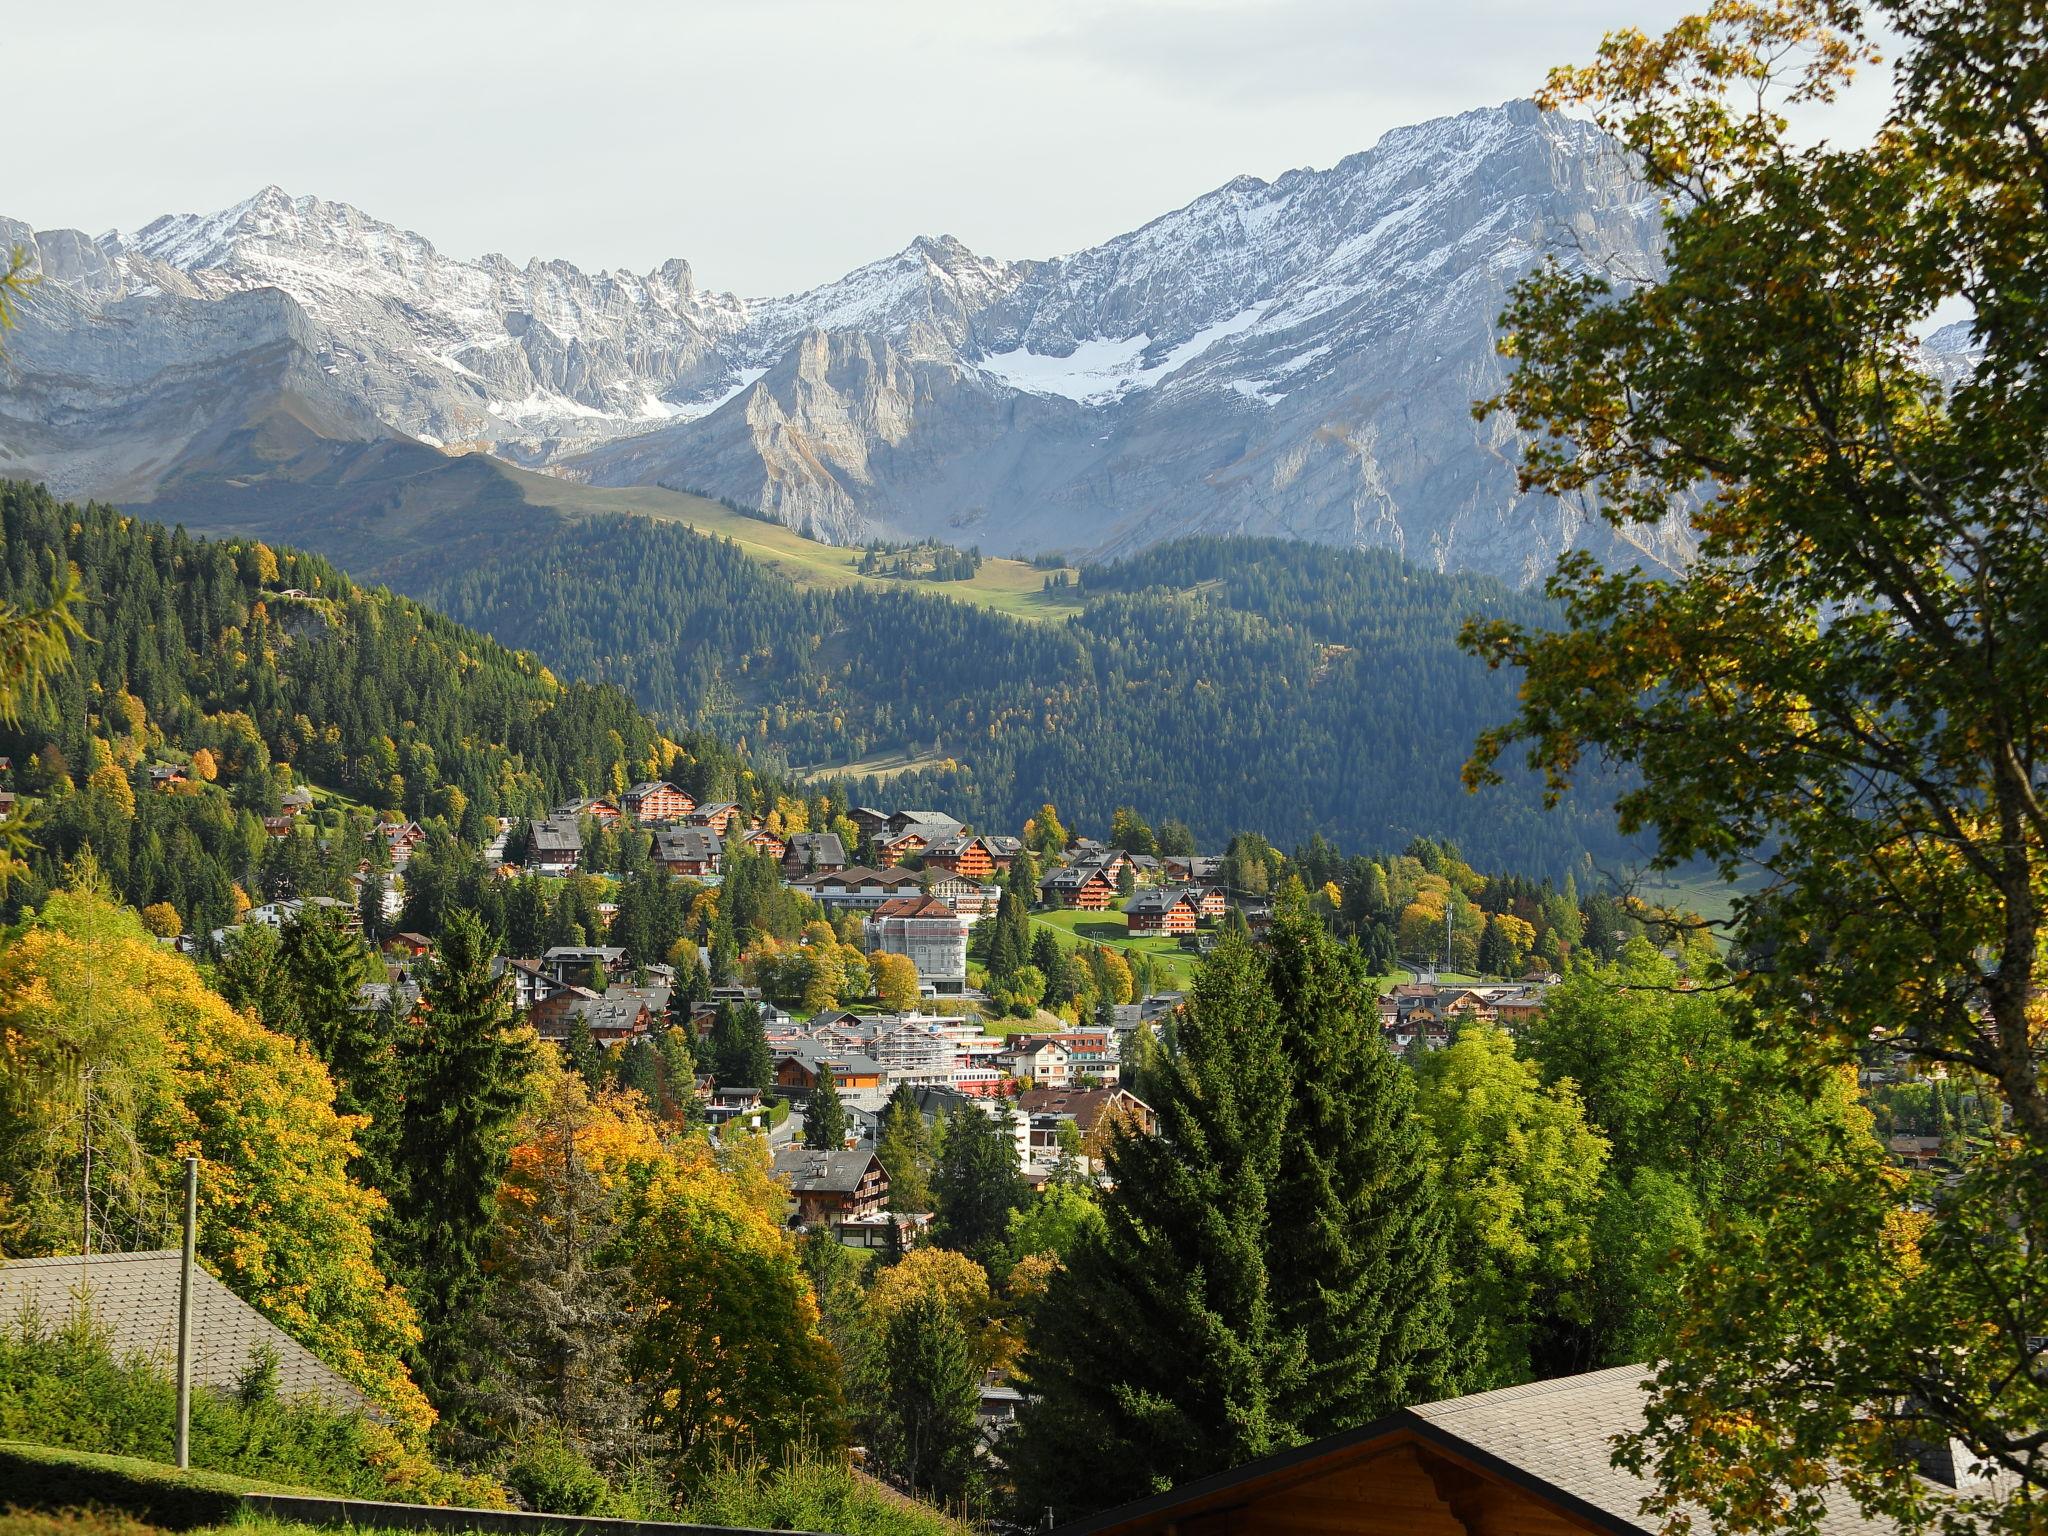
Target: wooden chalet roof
x=823 y=1173
x=1161 y=899
x=1084 y=1106
x=915 y=906
x=1534 y=1460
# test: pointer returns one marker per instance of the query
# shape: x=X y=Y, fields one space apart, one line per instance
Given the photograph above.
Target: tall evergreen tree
x=905 y=1148
x=324 y=966
x=465 y=1076
x=927 y=1429
x=1158 y=1355
x=1359 y=1261
x=740 y=1057
x=825 y=1115
x=977 y=1183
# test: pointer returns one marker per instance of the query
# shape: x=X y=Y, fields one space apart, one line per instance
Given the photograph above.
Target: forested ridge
x=1231 y=683
x=251 y=669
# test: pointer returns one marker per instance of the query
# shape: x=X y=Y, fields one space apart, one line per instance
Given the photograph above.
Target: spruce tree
x=825 y=1116
x=324 y=966
x=1358 y=1261
x=977 y=1184
x=465 y=1076
x=927 y=1426
x=1157 y=1356
x=905 y=1148
x=740 y=1057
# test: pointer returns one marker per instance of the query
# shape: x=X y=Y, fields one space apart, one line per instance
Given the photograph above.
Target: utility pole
x=184 y=1434
x=85 y=1148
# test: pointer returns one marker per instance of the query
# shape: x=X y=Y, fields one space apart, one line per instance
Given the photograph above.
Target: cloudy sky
x=772 y=143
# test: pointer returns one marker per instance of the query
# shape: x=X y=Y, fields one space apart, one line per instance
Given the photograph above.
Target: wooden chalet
x=554 y=845
x=164 y=776
x=690 y=851
x=761 y=840
x=966 y=856
x=1084 y=886
x=1532 y=1460
x=717 y=816
x=831 y=1187
x=1084 y=1106
x=814 y=853
x=893 y=848
x=1162 y=909
x=602 y=811
x=800 y=1063
x=613 y=1017
x=296 y=801
x=1210 y=902
x=657 y=800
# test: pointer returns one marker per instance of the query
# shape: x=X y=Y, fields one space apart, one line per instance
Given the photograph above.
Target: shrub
x=810 y=1492
x=66 y=1387
x=552 y=1476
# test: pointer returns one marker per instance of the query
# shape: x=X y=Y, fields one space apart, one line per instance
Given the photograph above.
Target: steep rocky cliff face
x=1295 y=357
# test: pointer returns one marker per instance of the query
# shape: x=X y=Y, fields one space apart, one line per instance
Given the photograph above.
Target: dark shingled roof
x=134 y=1297
x=1552 y=1438
x=822 y=1173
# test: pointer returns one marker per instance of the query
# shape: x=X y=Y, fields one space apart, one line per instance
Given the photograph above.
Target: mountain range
x=1294 y=358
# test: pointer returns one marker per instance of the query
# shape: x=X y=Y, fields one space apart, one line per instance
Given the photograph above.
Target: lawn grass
x=50 y=1478
x=1012 y=587
x=1112 y=928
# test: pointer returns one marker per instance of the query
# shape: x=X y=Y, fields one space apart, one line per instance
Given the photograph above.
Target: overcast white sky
x=772 y=143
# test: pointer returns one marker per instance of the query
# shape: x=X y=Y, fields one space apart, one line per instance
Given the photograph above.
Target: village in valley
x=933 y=1017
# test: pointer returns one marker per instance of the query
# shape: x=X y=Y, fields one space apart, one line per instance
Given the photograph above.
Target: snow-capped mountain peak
x=1295 y=355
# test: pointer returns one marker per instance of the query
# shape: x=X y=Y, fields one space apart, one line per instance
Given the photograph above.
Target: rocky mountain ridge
x=1294 y=357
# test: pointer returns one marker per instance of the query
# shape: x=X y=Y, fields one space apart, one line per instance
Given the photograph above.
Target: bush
x=552 y=1476
x=65 y=1387
x=811 y=1493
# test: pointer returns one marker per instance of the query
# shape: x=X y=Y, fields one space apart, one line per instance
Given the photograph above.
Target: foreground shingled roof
x=134 y=1297
x=1551 y=1440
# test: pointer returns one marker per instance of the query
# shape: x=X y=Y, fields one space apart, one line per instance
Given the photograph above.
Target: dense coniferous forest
x=1233 y=683
x=248 y=671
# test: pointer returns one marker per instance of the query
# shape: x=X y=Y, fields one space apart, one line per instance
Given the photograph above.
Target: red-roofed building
x=931 y=933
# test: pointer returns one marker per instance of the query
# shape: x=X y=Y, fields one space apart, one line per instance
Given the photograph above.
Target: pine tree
x=977 y=1183
x=927 y=1428
x=1157 y=1355
x=465 y=1077
x=740 y=1057
x=905 y=1148
x=825 y=1115
x=553 y=1332
x=1359 y=1255
x=324 y=966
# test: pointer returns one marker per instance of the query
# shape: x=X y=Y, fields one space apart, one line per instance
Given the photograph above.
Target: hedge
x=39 y=1477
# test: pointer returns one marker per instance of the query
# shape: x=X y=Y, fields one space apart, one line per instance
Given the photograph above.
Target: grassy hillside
x=1011 y=587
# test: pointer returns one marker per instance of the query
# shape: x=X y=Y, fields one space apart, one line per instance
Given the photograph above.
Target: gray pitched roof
x=686 y=843
x=1159 y=898
x=813 y=1054
x=556 y=835
x=822 y=1173
x=134 y=1297
x=1553 y=1437
x=825 y=846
